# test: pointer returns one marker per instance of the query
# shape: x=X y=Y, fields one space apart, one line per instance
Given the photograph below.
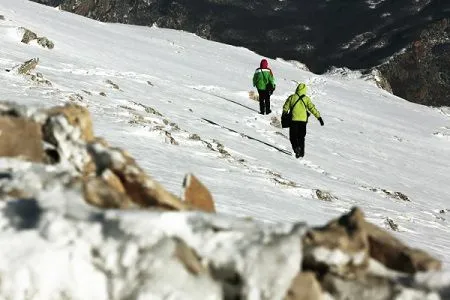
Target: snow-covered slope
x=373 y=144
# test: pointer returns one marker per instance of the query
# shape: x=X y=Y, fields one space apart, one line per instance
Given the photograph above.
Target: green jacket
x=262 y=77
x=299 y=112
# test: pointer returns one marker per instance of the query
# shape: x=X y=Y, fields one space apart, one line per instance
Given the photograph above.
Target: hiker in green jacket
x=301 y=107
x=264 y=81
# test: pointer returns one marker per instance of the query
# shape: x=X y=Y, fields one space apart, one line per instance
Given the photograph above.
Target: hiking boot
x=268 y=112
x=297 y=152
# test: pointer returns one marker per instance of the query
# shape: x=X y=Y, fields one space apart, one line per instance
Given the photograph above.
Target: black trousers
x=297 y=133
x=264 y=102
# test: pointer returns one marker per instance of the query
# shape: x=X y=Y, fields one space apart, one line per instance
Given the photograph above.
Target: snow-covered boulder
x=86 y=222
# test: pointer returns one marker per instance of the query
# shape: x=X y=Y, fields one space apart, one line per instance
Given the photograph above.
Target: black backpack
x=286 y=118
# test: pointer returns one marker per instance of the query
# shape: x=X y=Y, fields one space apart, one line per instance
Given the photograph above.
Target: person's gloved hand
x=321 y=121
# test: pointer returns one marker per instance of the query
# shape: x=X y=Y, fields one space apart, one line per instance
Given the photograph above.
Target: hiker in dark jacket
x=301 y=106
x=264 y=81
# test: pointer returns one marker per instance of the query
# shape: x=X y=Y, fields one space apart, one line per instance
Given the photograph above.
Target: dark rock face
x=321 y=34
x=422 y=73
x=50 y=2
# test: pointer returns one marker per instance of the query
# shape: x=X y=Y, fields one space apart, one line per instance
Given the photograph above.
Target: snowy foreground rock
x=80 y=219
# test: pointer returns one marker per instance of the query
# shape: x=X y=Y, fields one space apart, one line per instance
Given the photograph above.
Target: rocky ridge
x=421 y=74
x=70 y=197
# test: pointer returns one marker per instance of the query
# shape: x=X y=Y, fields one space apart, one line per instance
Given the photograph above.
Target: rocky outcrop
x=39 y=79
x=109 y=176
x=196 y=194
x=91 y=216
x=354 y=258
x=21 y=138
x=28 y=36
x=421 y=73
x=28 y=66
x=78 y=117
x=45 y=42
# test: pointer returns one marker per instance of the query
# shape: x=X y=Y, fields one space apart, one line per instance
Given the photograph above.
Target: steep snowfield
x=373 y=144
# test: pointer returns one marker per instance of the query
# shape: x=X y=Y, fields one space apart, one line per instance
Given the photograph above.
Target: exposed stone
x=341 y=245
x=45 y=42
x=28 y=35
x=325 y=196
x=392 y=225
x=396 y=195
x=112 y=84
x=39 y=78
x=421 y=73
x=68 y=142
x=196 y=194
x=77 y=116
x=21 y=138
x=304 y=287
x=345 y=244
x=140 y=187
x=100 y=193
x=27 y=66
x=395 y=255
x=194 y=137
x=170 y=139
x=106 y=191
x=380 y=80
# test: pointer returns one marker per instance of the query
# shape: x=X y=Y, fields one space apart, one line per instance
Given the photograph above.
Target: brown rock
x=21 y=138
x=67 y=143
x=421 y=74
x=395 y=255
x=98 y=192
x=197 y=195
x=141 y=188
x=304 y=287
x=344 y=238
x=188 y=257
x=113 y=181
x=77 y=116
x=356 y=240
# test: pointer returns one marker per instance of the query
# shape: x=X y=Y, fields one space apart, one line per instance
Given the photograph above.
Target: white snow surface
x=373 y=144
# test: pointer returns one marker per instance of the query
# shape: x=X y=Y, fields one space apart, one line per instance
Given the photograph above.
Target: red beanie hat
x=264 y=64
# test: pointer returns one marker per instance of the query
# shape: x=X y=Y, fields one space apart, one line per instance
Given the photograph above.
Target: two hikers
x=298 y=105
x=264 y=82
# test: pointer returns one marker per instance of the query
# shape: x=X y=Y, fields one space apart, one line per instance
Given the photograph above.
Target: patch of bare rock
x=28 y=36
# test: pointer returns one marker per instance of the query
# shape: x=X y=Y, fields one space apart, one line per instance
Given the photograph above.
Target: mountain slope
x=374 y=147
x=357 y=34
